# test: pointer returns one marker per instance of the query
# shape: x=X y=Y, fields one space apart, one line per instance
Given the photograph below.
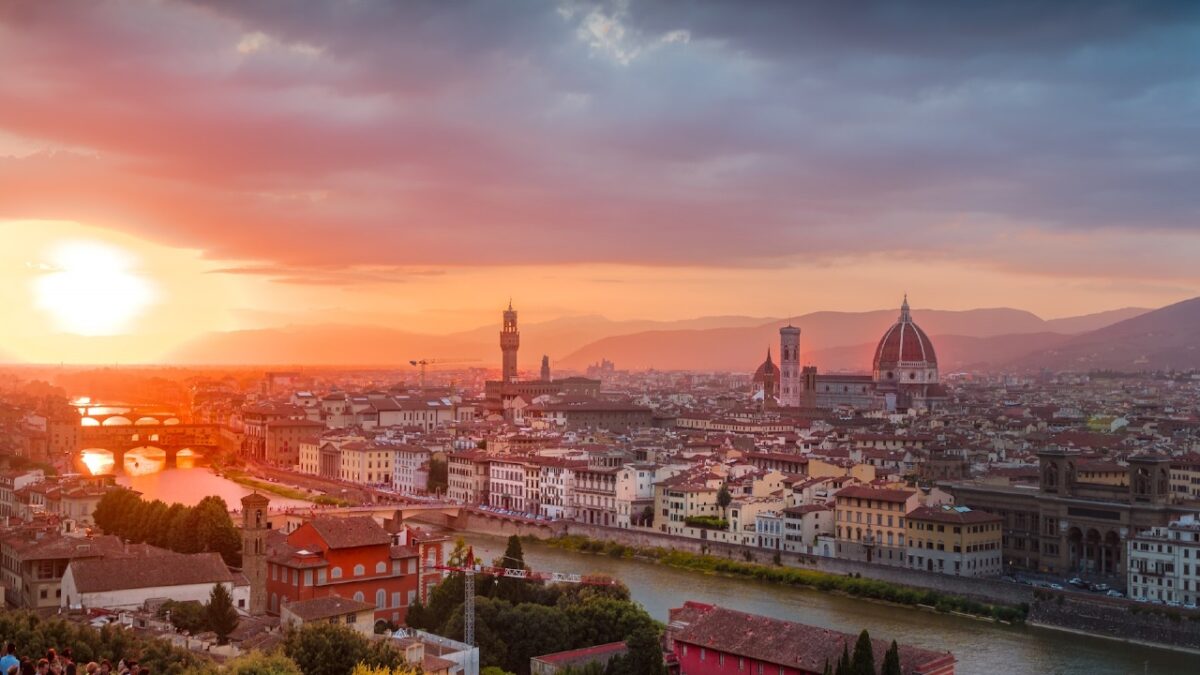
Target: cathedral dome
x=905 y=354
x=767 y=376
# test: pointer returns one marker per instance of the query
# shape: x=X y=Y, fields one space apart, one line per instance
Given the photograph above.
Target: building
x=596 y=495
x=791 y=388
x=1067 y=526
x=576 y=659
x=284 y=437
x=803 y=524
x=410 y=474
x=125 y=583
x=634 y=498
x=871 y=523
x=34 y=561
x=766 y=379
x=255 y=421
x=510 y=342
x=1164 y=563
x=254 y=549
x=467 y=477
x=557 y=486
x=955 y=540
x=513 y=484
x=904 y=373
x=615 y=416
x=348 y=557
x=709 y=640
x=330 y=609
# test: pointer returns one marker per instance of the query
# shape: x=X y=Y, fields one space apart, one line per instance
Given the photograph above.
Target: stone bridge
x=288 y=518
x=121 y=414
x=170 y=438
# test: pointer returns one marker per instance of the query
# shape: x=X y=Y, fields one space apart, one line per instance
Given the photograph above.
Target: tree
x=724 y=499
x=863 y=661
x=494 y=670
x=219 y=613
x=843 y=666
x=513 y=590
x=647 y=517
x=438 y=479
x=891 y=661
x=336 y=649
x=258 y=663
x=645 y=655
x=828 y=668
x=364 y=669
x=190 y=616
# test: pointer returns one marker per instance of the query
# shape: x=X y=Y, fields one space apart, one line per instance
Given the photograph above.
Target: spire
x=768 y=353
x=904 y=315
x=510 y=302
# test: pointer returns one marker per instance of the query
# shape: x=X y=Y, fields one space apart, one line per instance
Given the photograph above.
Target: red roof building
x=708 y=640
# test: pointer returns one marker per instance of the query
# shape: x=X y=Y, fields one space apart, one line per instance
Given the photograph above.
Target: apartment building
x=1164 y=563
x=871 y=523
x=955 y=540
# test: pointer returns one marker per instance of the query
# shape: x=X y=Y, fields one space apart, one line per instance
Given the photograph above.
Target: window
x=336 y=573
x=395 y=599
x=360 y=597
x=321 y=576
x=381 y=567
x=380 y=599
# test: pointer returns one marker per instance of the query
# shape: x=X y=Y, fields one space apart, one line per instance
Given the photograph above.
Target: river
x=187 y=483
x=982 y=648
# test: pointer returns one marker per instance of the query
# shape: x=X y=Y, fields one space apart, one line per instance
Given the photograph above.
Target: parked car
x=1099 y=588
x=1078 y=583
x=1054 y=587
x=1115 y=594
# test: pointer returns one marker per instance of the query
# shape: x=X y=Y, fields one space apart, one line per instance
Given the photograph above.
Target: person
x=105 y=667
x=43 y=666
x=9 y=659
x=92 y=668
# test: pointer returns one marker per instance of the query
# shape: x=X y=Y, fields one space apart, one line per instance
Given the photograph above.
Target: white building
x=635 y=492
x=1164 y=563
x=510 y=485
x=557 y=486
x=127 y=583
x=411 y=469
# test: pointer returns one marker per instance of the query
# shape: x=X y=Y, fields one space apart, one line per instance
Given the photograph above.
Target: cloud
x=347 y=143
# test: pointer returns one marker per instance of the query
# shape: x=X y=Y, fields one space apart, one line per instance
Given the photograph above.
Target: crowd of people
x=62 y=663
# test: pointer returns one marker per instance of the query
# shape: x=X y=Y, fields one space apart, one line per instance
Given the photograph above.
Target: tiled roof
x=175 y=569
x=327 y=607
x=350 y=532
x=879 y=494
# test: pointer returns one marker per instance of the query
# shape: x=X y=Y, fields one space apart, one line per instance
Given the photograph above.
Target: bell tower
x=790 y=381
x=254 y=549
x=510 y=341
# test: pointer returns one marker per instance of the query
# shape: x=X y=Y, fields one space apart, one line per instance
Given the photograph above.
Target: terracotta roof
x=879 y=494
x=175 y=569
x=327 y=607
x=350 y=532
x=786 y=643
x=953 y=515
x=584 y=655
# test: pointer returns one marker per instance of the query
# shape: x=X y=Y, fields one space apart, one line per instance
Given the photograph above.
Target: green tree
x=189 y=615
x=513 y=590
x=258 y=663
x=325 y=648
x=645 y=655
x=438 y=479
x=828 y=668
x=843 y=665
x=219 y=614
x=724 y=499
x=891 y=661
x=863 y=661
x=494 y=670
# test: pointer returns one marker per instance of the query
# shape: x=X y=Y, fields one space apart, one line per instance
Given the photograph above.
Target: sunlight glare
x=92 y=289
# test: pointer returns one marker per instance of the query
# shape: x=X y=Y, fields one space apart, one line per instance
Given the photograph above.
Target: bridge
x=122 y=414
x=170 y=438
x=288 y=518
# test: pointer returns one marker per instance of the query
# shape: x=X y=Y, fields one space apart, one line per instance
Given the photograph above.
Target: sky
x=172 y=168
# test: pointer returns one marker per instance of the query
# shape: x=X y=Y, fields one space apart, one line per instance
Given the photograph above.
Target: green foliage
x=793 y=576
x=843 y=666
x=439 y=476
x=724 y=499
x=187 y=616
x=335 y=649
x=863 y=661
x=891 y=661
x=219 y=613
x=707 y=522
x=512 y=590
x=254 y=663
x=36 y=635
x=364 y=669
x=204 y=527
x=493 y=670
x=547 y=619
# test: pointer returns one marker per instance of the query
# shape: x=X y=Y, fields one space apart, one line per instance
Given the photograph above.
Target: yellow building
x=955 y=540
x=685 y=496
x=870 y=523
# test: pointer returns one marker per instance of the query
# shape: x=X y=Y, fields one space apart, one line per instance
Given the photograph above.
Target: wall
x=1115 y=620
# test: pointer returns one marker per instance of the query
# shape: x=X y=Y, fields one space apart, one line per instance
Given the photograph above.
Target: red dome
x=905 y=343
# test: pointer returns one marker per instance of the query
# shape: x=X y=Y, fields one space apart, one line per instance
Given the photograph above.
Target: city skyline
x=314 y=167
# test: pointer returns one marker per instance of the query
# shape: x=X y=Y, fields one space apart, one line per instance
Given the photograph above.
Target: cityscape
x=599 y=337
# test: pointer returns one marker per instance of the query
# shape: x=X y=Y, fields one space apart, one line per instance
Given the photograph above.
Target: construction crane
x=421 y=363
x=470 y=568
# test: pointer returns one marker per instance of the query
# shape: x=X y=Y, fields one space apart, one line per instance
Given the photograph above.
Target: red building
x=347 y=557
x=709 y=640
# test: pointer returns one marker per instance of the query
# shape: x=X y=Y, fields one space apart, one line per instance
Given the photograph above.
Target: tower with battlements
x=254 y=549
x=510 y=341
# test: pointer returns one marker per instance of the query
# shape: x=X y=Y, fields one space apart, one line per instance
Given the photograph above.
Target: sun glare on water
x=91 y=288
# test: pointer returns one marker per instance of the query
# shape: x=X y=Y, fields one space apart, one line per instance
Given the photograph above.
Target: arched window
x=359 y=596
x=359 y=570
x=336 y=573
x=274 y=602
x=381 y=567
x=380 y=599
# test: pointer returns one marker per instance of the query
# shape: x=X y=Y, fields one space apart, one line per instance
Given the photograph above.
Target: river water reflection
x=982 y=648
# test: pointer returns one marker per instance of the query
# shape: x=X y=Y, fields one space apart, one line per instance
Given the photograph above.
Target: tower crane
x=421 y=363
x=470 y=568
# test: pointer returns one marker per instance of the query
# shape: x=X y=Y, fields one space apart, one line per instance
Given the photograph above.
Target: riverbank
x=854 y=586
x=246 y=479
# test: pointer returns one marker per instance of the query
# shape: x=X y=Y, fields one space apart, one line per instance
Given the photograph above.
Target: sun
x=91 y=288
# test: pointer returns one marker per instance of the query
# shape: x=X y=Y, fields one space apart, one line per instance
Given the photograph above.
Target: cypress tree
x=863 y=661
x=891 y=661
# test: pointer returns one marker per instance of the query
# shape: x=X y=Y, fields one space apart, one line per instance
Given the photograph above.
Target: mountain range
x=977 y=339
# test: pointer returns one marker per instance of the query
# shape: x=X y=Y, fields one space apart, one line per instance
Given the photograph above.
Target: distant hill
x=832 y=340
x=955 y=352
x=1089 y=322
x=1160 y=339
x=742 y=348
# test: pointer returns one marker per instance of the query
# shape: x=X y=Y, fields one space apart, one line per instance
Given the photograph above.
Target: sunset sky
x=173 y=168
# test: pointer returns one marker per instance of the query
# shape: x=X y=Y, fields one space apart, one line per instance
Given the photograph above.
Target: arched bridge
x=169 y=438
x=121 y=414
